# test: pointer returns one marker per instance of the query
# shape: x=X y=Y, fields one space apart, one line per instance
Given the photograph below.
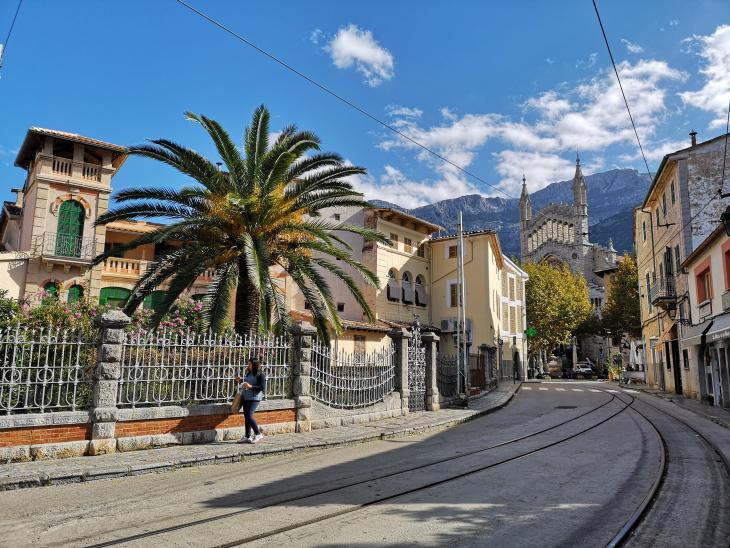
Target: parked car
x=583 y=368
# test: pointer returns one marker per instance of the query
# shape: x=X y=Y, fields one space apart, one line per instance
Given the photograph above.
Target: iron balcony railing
x=63 y=245
x=663 y=291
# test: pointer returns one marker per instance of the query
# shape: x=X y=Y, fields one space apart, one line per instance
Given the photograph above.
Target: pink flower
x=77 y=315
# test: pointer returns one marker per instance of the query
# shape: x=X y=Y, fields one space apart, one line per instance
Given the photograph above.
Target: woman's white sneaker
x=257 y=438
x=245 y=439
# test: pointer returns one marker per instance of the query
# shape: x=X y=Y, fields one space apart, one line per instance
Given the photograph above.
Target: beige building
x=678 y=213
x=706 y=343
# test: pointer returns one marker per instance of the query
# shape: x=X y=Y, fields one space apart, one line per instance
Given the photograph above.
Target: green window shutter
x=75 y=292
x=115 y=297
x=52 y=289
x=153 y=300
x=70 y=229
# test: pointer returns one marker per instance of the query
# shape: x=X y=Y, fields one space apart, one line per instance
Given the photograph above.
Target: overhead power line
x=338 y=96
x=4 y=45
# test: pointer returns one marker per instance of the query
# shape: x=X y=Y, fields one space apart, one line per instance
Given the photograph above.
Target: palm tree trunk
x=247 y=303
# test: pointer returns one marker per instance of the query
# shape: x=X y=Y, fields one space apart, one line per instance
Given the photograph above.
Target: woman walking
x=254 y=388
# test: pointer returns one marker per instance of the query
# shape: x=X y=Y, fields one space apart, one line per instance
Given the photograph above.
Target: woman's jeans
x=249 y=408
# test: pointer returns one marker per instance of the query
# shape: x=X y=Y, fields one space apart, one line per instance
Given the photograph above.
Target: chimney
x=693 y=136
x=18 y=196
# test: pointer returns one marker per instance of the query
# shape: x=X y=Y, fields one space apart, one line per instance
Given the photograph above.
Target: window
x=408 y=245
x=51 y=289
x=677 y=261
x=704 y=285
x=512 y=320
x=75 y=293
x=643 y=229
x=452 y=252
x=511 y=289
x=114 y=297
x=340 y=307
x=307 y=306
x=664 y=204
x=336 y=216
x=394 y=239
x=392 y=290
x=726 y=259
x=421 y=250
x=70 y=229
x=154 y=300
x=453 y=295
x=648 y=291
x=674 y=194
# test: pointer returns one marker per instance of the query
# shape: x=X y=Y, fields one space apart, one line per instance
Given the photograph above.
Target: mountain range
x=612 y=195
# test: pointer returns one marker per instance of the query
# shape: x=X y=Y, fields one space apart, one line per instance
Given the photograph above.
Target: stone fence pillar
x=303 y=335
x=108 y=369
x=433 y=401
x=401 y=337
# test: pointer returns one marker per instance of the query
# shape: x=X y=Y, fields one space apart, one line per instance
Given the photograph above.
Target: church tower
x=580 y=207
x=525 y=217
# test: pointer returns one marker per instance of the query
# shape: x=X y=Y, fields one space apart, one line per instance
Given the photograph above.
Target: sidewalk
x=713 y=413
x=72 y=470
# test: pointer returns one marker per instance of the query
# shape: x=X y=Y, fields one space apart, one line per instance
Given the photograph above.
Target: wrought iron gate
x=416 y=370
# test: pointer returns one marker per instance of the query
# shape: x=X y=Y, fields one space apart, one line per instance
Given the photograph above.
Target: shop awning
x=693 y=334
x=720 y=329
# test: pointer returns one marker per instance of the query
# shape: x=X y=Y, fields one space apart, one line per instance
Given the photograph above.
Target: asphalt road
x=590 y=464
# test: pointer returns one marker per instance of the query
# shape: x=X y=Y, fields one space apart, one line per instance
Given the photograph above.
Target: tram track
x=311 y=494
x=378 y=500
x=648 y=503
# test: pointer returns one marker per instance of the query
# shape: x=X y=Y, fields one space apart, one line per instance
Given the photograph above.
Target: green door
x=153 y=300
x=114 y=297
x=51 y=289
x=75 y=292
x=70 y=229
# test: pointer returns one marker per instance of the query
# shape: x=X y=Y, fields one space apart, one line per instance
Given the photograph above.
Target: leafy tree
x=258 y=214
x=621 y=313
x=557 y=303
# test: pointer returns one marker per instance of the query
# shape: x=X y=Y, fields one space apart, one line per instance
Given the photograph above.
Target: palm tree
x=258 y=214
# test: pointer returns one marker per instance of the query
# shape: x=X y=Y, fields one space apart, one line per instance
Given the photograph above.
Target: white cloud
x=673 y=22
x=353 y=46
x=713 y=97
x=587 y=63
x=316 y=36
x=631 y=47
x=406 y=112
x=549 y=61
x=589 y=117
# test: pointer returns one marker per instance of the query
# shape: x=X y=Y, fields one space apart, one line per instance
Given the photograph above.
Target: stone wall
x=324 y=416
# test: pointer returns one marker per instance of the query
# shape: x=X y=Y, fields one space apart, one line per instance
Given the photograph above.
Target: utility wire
x=10 y=32
x=337 y=96
x=724 y=156
x=620 y=85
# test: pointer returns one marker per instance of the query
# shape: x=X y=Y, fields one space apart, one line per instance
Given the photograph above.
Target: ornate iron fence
x=173 y=368
x=45 y=370
x=416 y=370
x=349 y=381
x=447 y=371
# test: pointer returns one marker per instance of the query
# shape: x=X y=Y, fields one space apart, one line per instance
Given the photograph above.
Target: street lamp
x=725 y=218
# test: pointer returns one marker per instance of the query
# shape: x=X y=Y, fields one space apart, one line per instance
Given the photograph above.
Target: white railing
x=173 y=368
x=129 y=267
x=45 y=370
x=349 y=381
x=91 y=172
x=61 y=166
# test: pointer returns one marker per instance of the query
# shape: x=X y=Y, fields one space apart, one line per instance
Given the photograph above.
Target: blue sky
x=497 y=87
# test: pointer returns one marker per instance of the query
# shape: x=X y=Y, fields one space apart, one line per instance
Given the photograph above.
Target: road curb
x=229 y=455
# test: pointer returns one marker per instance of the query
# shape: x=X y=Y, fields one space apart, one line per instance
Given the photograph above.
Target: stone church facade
x=558 y=234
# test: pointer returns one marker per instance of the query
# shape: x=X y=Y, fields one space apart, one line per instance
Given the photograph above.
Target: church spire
x=525 y=202
x=580 y=192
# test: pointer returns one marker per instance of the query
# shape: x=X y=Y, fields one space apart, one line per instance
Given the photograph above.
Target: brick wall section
x=34 y=435
x=199 y=422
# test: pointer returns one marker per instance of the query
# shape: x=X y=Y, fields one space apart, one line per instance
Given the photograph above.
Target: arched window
x=407 y=288
x=114 y=297
x=75 y=293
x=154 y=300
x=51 y=289
x=421 y=296
x=392 y=289
x=70 y=229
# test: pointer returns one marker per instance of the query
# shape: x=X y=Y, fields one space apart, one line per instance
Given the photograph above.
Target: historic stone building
x=558 y=234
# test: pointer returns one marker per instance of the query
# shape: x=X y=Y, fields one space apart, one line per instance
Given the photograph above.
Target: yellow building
x=679 y=211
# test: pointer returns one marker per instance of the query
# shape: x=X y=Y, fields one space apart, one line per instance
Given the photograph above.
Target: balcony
x=63 y=248
x=134 y=268
x=726 y=301
x=663 y=293
x=65 y=168
x=705 y=309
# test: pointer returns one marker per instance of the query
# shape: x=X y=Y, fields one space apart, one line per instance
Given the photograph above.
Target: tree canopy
x=557 y=303
x=621 y=313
